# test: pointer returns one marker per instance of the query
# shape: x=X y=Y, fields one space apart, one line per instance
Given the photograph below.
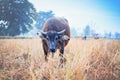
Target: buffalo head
x=53 y=39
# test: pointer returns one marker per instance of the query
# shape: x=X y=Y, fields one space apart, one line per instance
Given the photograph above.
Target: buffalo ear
x=39 y=34
x=65 y=38
x=42 y=34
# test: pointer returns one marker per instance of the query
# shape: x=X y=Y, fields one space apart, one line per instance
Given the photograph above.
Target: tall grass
x=23 y=59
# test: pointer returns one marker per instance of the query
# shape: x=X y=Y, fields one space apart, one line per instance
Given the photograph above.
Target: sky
x=101 y=15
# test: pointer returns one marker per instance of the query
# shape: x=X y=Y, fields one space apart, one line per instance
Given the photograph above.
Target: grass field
x=23 y=59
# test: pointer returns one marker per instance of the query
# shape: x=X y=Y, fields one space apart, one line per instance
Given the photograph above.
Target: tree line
x=17 y=17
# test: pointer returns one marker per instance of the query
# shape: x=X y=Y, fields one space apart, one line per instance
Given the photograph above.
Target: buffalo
x=55 y=35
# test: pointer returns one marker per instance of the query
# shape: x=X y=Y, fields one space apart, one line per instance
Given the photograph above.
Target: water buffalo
x=55 y=35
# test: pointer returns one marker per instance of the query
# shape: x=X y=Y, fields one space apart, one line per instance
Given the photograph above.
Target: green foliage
x=18 y=14
x=42 y=17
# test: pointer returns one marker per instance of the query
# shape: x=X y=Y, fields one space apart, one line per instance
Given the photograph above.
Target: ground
x=23 y=59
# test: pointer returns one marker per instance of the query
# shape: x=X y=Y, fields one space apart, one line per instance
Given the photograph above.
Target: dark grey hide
x=52 y=41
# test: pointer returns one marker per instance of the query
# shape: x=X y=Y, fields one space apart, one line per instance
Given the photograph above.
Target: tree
x=117 y=35
x=19 y=15
x=42 y=17
x=73 y=31
x=87 y=30
x=93 y=33
x=108 y=35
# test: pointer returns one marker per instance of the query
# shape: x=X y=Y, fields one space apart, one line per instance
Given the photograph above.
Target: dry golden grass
x=23 y=59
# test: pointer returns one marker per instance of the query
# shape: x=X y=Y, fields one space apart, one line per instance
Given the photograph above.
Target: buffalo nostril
x=52 y=50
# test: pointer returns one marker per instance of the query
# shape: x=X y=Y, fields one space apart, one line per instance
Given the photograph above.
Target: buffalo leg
x=61 y=62
x=45 y=48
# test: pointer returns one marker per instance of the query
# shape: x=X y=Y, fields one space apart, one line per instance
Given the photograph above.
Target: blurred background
x=93 y=52
x=90 y=18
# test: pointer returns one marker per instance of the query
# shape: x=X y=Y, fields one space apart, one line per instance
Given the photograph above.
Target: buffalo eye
x=57 y=37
